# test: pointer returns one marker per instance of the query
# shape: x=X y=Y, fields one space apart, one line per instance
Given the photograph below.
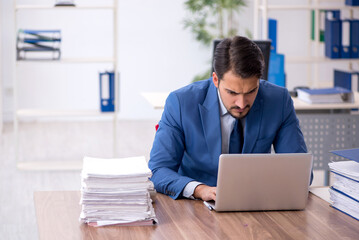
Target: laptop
x=256 y=182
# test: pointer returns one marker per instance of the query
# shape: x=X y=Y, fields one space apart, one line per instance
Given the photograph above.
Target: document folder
x=351 y=154
x=323 y=15
x=326 y=95
x=333 y=38
x=107 y=91
x=354 y=38
x=346 y=79
x=332 y=34
x=272 y=34
x=344 y=192
x=276 y=72
x=345 y=47
x=352 y=2
x=276 y=69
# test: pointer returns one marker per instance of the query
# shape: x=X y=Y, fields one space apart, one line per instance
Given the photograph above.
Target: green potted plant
x=213 y=19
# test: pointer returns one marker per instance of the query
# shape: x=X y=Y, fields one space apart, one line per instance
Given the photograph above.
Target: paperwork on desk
x=345 y=189
x=326 y=95
x=116 y=192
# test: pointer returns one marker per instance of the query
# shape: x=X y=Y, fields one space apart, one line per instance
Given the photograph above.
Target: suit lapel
x=253 y=123
x=210 y=119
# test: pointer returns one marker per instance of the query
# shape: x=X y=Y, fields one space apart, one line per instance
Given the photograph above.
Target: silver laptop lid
x=251 y=182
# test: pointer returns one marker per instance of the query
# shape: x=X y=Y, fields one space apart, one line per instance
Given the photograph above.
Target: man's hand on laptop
x=204 y=192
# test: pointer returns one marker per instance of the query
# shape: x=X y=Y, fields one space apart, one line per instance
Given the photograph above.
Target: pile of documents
x=116 y=192
x=326 y=95
x=344 y=192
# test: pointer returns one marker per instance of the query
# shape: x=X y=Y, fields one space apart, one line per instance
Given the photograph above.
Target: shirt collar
x=222 y=109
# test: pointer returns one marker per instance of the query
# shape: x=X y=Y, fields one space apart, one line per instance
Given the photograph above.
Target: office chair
x=264 y=45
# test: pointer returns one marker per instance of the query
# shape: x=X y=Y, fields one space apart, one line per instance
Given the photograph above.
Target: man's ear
x=215 y=79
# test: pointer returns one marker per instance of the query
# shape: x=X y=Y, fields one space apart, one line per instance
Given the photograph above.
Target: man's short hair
x=240 y=55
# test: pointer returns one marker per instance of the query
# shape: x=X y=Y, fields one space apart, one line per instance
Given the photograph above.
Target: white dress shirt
x=227 y=124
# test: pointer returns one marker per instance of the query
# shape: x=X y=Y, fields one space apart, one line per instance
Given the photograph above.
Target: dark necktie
x=236 y=140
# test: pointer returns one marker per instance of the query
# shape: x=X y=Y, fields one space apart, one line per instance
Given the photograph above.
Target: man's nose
x=241 y=101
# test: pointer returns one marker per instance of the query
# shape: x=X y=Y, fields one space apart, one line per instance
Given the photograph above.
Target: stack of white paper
x=344 y=192
x=116 y=192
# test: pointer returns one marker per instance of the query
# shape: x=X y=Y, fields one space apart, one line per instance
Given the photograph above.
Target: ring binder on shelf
x=107 y=91
x=352 y=2
x=354 y=38
x=333 y=34
x=276 y=72
x=345 y=47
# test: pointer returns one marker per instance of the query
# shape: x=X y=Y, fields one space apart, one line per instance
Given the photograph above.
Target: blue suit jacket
x=188 y=141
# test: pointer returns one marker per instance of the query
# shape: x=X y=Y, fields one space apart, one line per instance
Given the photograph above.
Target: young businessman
x=233 y=112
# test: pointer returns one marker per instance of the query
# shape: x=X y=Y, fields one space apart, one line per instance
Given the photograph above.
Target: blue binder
x=332 y=14
x=107 y=91
x=272 y=34
x=276 y=73
x=333 y=38
x=345 y=49
x=352 y=2
x=351 y=154
x=354 y=38
x=346 y=79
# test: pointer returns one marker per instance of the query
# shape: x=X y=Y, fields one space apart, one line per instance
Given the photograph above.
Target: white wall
x=155 y=52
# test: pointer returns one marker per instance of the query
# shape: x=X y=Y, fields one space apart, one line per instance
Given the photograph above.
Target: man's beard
x=246 y=107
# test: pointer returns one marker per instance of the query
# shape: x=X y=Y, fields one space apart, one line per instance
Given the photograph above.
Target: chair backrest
x=264 y=45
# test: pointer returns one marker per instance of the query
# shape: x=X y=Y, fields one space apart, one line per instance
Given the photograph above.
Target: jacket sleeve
x=167 y=151
x=289 y=138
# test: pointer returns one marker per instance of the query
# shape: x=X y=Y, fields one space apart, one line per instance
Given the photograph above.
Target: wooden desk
x=58 y=214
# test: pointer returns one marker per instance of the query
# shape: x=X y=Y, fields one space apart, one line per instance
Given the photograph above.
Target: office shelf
x=71 y=60
x=303 y=7
x=313 y=58
x=52 y=7
x=38 y=113
x=294 y=59
x=22 y=114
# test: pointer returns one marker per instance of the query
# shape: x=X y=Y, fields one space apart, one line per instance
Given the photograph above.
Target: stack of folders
x=116 y=192
x=344 y=192
x=326 y=95
x=38 y=45
x=340 y=35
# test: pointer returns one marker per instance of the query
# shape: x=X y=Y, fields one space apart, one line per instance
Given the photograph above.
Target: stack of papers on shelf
x=326 y=95
x=116 y=192
x=345 y=190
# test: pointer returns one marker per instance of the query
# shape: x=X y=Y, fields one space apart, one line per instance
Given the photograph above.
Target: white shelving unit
x=313 y=58
x=21 y=114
